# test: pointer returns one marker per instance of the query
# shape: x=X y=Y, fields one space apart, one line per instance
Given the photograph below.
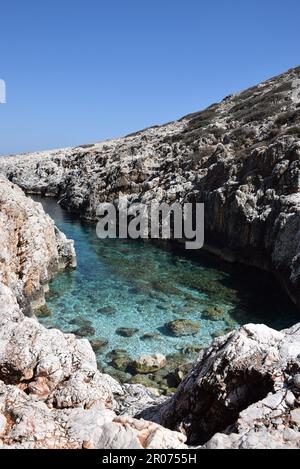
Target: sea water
x=139 y=285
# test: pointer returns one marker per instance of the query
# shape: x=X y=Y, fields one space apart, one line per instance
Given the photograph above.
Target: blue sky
x=84 y=70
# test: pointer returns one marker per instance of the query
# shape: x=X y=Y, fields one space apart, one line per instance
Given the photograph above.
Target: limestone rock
x=239 y=157
x=32 y=248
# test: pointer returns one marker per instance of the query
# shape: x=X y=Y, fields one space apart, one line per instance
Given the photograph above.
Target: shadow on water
x=256 y=294
x=142 y=286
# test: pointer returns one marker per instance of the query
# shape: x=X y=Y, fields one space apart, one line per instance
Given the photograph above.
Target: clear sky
x=85 y=70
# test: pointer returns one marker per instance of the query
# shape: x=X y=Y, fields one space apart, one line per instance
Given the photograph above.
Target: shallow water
x=144 y=286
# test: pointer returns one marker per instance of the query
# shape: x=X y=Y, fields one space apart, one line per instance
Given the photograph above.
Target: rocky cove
x=240 y=157
x=143 y=299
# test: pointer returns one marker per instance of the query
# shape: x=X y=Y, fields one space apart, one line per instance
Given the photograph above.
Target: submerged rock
x=115 y=353
x=166 y=288
x=143 y=379
x=213 y=313
x=81 y=322
x=98 y=344
x=126 y=331
x=84 y=331
x=107 y=310
x=182 y=327
x=120 y=362
x=151 y=336
x=43 y=312
x=149 y=363
x=118 y=374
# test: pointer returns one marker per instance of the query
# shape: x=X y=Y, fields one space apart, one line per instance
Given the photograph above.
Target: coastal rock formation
x=245 y=386
x=32 y=248
x=240 y=157
x=243 y=391
x=51 y=392
x=149 y=363
x=49 y=381
x=182 y=327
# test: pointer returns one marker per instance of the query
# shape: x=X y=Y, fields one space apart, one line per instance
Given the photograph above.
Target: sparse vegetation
x=288 y=117
x=295 y=131
x=261 y=113
x=242 y=135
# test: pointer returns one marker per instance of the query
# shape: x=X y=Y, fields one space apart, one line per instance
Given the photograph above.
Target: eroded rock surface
x=51 y=392
x=53 y=396
x=243 y=391
x=240 y=157
x=32 y=248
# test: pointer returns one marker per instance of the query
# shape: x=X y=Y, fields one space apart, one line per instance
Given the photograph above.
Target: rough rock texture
x=51 y=393
x=244 y=387
x=53 y=396
x=32 y=248
x=240 y=157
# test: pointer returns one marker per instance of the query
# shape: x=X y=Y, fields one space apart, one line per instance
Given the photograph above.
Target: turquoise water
x=142 y=286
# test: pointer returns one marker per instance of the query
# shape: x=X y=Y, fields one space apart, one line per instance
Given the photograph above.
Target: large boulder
x=182 y=327
x=149 y=363
x=244 y=388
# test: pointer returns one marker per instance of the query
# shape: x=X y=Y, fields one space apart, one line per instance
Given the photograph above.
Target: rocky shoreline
x=242 y=392
x=49 y=381
x=241 y=158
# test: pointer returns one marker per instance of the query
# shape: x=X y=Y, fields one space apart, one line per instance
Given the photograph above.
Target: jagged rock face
x=51 y=393
x=32 y=248
x=240 y=157
x=53 y=396
x=246 y=386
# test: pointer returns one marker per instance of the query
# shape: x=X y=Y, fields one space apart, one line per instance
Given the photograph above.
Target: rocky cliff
x=32 y=248
x=240 y=157
x=242 y=392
